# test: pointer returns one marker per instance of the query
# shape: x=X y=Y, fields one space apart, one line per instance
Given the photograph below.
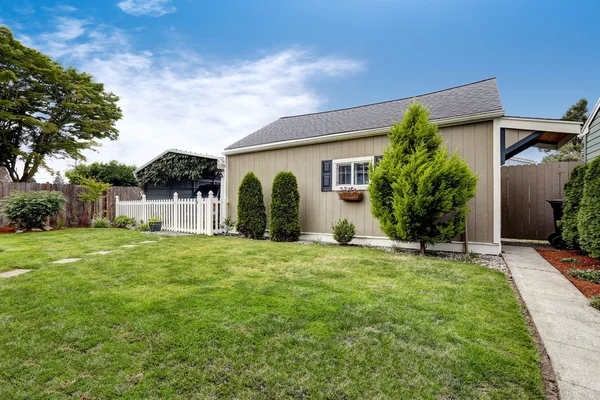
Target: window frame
x=351 y=161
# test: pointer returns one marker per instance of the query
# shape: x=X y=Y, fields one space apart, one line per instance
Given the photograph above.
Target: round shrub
x=573 y=193
x=252 y=217
x=284 y=210
x=344 y=231
x=589 y=211
x=123 y=221
x=100 y=223
x=29 y=210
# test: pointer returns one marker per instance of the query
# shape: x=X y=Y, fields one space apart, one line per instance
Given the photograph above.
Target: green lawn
x=198 y=317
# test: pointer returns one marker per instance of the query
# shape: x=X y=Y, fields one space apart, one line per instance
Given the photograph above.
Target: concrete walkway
x=568 y=326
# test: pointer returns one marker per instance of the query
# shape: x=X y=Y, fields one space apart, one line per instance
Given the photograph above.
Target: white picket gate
x=199 y=215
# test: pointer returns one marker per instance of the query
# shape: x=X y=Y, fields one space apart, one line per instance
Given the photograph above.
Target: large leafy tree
x=47 y=111
x=572 y=151
x=419 y=192
x=113 y=172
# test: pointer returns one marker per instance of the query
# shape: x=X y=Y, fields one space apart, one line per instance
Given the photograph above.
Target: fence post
x=209 y=214
x=117 y=211
x=144 y=210
x=199 y=213
x=175 y=211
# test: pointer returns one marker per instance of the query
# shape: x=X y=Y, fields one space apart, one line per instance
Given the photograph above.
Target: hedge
x=573 y=194
x=31 y=209
x=284 y=210
x=589 y=211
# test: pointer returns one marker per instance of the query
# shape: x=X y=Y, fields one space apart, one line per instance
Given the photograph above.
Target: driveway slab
x=568 y=326
x=14 y=272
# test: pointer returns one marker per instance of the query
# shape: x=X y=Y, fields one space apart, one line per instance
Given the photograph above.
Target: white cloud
x=152 y=8
x=176 y=100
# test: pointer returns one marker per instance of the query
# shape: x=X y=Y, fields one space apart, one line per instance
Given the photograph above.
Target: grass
x=200 y=317
x=36 y=249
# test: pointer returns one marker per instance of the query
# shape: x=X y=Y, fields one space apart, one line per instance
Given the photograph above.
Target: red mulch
x=7 y=229
x=588 y=289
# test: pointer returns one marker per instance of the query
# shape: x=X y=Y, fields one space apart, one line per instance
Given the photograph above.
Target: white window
x=353 y=172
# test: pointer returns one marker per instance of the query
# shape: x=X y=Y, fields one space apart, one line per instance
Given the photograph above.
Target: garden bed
x=554 y=257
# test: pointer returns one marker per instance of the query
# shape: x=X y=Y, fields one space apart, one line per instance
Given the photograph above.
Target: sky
x=200 y=75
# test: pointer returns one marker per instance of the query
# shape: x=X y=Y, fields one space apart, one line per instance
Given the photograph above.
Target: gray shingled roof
x=473 y=98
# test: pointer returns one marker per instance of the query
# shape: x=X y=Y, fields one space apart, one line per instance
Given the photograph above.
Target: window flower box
x=350 y=194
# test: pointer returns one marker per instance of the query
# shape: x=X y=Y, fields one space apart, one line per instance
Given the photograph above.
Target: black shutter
x=377 y=159
x=326 y=176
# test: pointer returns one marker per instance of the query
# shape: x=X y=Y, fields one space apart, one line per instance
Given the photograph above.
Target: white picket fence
x=199 y=215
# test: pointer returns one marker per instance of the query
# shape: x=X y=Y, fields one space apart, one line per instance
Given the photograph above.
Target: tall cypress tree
x=252 y=217
x=418 y=192
x=284 y=224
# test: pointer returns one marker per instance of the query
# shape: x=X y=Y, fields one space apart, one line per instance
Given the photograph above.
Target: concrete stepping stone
x=147 y=241
x=66 y=261
x=102 y=252
x=14 y=272
x=129 y=246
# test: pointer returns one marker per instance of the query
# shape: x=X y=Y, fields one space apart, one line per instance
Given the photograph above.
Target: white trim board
x=586 y=127
x=380 y=241
x=540 y=124
x=334 y=137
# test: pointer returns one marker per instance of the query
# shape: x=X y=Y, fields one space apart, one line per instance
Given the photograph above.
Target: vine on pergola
x=173 y=167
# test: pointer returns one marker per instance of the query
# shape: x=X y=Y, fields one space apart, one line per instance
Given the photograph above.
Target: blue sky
x=199 y=75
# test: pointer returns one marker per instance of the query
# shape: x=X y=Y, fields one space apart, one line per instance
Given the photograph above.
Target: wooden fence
x=75 y=212
x=525 y=188
x=197 y=215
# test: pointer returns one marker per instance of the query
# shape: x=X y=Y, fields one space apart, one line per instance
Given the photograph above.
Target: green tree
x=58 y=179
x=252 y=217
x=113 y=172
x=572 y=151
x=47 y=111
x=573 y=194
x=418 y=192
x=589 y=211
x=93 y=191
x=284 y=209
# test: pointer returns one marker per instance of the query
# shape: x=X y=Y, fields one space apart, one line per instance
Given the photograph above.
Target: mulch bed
x=7 y=229
x=588 y=289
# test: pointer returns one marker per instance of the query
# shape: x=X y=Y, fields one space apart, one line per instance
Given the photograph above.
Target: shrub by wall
x=343 y=231
x=252 y=217
x=589 y=211
x=284 y=210
x=573 y=194
x=31 y=209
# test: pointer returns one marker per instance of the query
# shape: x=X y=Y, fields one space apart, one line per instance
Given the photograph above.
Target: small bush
x=142 y=227
x=284 y=209
x=573 y=194
x=31 y=209
x=228 y=224
x=344 y=231
x=570 y=260
x=591 y=275
x=595 y=302
x=100 y=223
x=589 y=211
x=252 y=217
x=123 y=221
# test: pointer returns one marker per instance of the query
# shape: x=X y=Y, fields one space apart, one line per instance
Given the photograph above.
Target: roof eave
x=586 y=127
x=177 y=151
x=334 y=137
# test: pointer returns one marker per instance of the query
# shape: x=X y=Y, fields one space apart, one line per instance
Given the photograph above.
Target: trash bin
x=555 y=238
